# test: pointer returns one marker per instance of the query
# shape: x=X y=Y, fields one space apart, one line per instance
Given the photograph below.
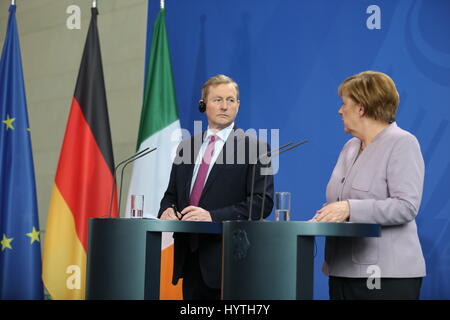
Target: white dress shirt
x=222 y=137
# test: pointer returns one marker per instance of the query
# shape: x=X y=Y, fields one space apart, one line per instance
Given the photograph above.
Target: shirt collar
x=222 y=134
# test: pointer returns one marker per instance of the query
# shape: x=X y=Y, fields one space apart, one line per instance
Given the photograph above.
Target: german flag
x=84 y=178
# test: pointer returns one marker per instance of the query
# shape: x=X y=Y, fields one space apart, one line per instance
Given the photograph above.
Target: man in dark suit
x=211 y=180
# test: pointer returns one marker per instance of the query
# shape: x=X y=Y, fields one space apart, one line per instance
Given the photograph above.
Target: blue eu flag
x=20 y=247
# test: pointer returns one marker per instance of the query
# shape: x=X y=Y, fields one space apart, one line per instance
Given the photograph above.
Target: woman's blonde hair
x=375 y=91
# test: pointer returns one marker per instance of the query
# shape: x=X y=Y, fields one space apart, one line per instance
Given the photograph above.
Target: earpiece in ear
x=201 y=106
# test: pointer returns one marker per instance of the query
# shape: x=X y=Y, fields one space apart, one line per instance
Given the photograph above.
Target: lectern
x=123 y=260
x=261 y=259
x=275 y=260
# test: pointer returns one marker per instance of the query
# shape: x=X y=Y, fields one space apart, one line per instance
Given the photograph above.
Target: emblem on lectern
x=240 y=245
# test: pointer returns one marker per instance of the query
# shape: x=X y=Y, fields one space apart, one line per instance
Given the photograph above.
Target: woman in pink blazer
x=378 y=178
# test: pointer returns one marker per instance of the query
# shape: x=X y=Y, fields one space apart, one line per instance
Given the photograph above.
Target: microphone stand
x=253 y=178
x=279 y=152
x=123 y=168
x=114 y=177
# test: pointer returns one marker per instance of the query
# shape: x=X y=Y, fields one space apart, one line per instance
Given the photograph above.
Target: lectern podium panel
x=275 y=260
x=260 y=260
x=124 y=255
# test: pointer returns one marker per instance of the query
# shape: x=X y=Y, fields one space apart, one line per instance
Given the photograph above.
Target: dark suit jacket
x=226 y=195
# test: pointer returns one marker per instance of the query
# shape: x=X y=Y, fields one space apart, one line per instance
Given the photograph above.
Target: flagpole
x=162 y=4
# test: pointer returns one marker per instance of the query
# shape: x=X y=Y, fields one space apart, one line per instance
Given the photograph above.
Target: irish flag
x=159 y=127
x=84 y=178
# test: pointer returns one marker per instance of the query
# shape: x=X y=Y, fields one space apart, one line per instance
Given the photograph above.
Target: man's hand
x=192 y=213
x=333 y=212
x=169 y=214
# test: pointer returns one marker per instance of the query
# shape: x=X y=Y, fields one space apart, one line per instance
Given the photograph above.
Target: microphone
x=276 y=152
x=292 y=147
x=253 y=178
x=265 y=177
x=123 y=168
x=114 y=176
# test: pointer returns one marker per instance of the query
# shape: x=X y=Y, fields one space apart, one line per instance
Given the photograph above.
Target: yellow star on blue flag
x=8 y=122
x=34 y=235
x=6 y=242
